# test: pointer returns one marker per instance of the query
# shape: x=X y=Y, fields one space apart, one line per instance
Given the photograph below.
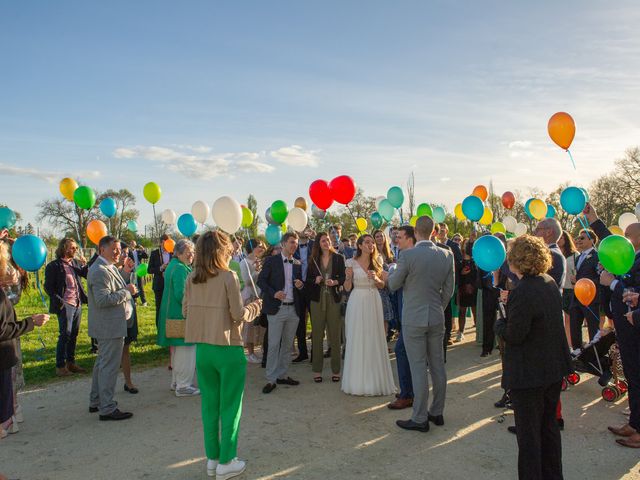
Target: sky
x=212 y=98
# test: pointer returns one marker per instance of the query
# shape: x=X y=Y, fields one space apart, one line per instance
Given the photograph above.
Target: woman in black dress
x=467 y=288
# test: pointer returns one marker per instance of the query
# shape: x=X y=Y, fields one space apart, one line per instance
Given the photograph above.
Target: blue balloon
x=376 y=220
x=132 y=226
x=586 y=194
x=269 y=218
x=386 y=209
x=488 y=253
x=29 y=252
x=551 y=211
x=573 y=200
x=526 y=208
x=439 y=214
x=187 y=224
x=273 y=234
x=108 y=207
x=473 y=208
x=7 y=218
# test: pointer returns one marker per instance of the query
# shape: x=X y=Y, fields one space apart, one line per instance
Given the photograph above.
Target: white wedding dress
x=367 y=368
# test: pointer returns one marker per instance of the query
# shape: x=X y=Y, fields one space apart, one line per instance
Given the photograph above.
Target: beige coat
x=214 y=310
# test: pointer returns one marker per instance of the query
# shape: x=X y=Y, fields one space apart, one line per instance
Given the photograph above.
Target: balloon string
x=592 y=312
x=572 y=161
x=401 y=219
x=352 y=216
x=39 y=286
x=40 y=352
x=586 y=227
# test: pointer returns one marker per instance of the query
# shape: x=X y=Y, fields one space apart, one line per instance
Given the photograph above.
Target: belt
x=287 y=304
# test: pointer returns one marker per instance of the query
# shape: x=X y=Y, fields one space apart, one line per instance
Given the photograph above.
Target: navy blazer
x=271 y=280
x=558 y=268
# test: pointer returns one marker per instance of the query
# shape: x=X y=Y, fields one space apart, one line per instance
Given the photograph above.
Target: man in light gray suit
x=426 y=275
x=110 y=306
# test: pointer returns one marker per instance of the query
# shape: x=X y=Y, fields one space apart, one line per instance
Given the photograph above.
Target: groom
x=426 y=275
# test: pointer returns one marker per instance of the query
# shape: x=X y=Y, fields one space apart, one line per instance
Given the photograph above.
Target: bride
x=367 y=369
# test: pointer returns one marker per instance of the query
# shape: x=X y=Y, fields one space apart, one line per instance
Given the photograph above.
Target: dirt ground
x=312 y=431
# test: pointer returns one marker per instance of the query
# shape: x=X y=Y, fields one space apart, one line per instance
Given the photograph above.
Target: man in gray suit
x=110 y=306
x=426 y=275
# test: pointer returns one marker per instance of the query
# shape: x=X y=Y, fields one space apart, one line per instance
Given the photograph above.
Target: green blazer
x=175 y=277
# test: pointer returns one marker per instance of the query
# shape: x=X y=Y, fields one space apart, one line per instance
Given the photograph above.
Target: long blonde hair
x=374 y=258
x=212 y=255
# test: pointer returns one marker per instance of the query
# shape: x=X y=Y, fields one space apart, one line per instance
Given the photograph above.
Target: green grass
x=39 y=363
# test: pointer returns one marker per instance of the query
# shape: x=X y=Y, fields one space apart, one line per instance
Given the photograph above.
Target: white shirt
x=288 y=278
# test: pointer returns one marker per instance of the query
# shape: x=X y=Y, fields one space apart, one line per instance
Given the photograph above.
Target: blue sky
x=211 y=98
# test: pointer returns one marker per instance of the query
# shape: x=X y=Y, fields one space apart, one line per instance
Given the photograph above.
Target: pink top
x=71 y=295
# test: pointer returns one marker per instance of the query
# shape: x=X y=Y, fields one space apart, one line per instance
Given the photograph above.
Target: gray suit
x=108 y=296
x=426 y=275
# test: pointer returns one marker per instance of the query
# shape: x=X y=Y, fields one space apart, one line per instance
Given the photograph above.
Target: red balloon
x=320 y=194
x=343 y=189
x=508 y=200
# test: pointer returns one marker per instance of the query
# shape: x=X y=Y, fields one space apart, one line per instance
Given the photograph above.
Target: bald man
x=550 y=231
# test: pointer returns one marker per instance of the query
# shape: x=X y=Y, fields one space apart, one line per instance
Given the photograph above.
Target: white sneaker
x=459 y=337
x=187 y=392
x=18 y=414
x=229 y=470
x=14 y=426
x=211 y=467
x=173 y=387
x=253 y=358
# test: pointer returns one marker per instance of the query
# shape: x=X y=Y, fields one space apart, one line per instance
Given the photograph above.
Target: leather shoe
x=133 y=390
x=632 y=442
x=411 y=425
x=400 y=403
x=287 y=381
x=73 y=368
x=625 y=430
x=269 y=387
x=116 y=415
x=300 y=358
x=512 y=430
x=93 y=409
x=437 y=419
x=63 y=372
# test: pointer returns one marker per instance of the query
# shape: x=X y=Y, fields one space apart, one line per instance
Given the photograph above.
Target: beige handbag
x=174 y=328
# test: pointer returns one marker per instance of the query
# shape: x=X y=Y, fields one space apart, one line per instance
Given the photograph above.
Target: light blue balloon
x=7 y=218
x=187 y=224
x=473 y=208
x=488 y=253
x=395 y=197
x=386 y=210
x=573 y=200
x=586 y=194
x=551 y=211
x=526 y=208
x=108 y=207
x=29 y=252
x=132 y=226
x=273 y=234
x=269 y=218
x=439 y=214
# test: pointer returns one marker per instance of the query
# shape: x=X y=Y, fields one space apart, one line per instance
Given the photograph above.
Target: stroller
x=601 y=359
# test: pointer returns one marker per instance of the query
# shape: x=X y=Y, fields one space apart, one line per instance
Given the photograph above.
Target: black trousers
x=141 y=294
x=6 y=395
x=577 y=314
x=158 y=296
x=539 y=442
x=301 y=332
x=628 y=339
x=489 y=313
x=448 y=326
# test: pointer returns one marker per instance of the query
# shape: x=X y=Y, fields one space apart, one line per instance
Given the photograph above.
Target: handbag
x=174 y=328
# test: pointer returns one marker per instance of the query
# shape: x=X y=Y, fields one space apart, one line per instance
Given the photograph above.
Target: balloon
x=108 y=207
x=616 y=230
x=84 y=197
x=343 y=189
x=279 y=211
x=638 y=210
x=458 y=212
x=317 y=212
x=498 y=227
x=247 y=217
x=488 y=253
x=586 y=194
x=473 y=208
x=508 y=200
x=96 y=229
x=551 y=211
x=585 y=291
x=67 y=187
x=376 y=220
x=538 y=208
x=29 y=252
x=424 y=210
x=200 y=211
x=378 y=200
x=283 y=228
x=152 y=192
x=481 y=192
x=142 y=270
x=627 y=219
x=227 y=214
x=273 y=234
x=439 y=214
x=395 y=197
x=414 y=219
x=510 y=223
x=386 y=210
x=361 y=223
x=526 y=208
x=301 y=202
x=320 y=194
x=7 y=218
x=169 y=217
x=187 y=224
x=298 y=219
x=573 y=200
x=487 y=217
x=520 y=229
x=616 y=254
x=267 y=215
x=132 y=225
x=169 y=244
x=562 y=129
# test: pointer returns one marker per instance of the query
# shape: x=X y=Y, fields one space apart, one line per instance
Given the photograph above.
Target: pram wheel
x=564 y=385
x=610 y=393
x=573 y=378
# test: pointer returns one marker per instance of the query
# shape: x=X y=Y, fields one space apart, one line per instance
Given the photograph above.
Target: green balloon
x=247 y=217
x=616 y=254
x=376 y=220
x=142 y=270
x=279 y=211
x=498 y=227
x=84 y=197
x=424 y=210
x=395 y=197
x=386 y=210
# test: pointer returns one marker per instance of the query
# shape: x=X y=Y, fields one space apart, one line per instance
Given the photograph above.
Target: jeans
x=404 y=369
x=69 y=325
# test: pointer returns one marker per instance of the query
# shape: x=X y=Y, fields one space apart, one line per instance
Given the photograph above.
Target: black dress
x=467 y=289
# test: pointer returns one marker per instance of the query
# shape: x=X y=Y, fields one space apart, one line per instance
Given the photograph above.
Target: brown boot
x=401 y=403
x=73 y=368
x=63 y=372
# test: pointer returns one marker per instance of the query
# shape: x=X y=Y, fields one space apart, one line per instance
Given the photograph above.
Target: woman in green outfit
x=183 y=355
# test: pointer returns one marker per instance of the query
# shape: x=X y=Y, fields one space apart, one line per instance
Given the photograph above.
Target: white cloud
x=520 y=144
x=47 y=176
x=445 y=179
x=296 y=156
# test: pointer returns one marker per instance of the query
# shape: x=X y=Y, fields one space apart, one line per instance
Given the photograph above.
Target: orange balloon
x=481 y=192
x=169 y=244
x=562 y=129
x=585 y=291
x=96 y=229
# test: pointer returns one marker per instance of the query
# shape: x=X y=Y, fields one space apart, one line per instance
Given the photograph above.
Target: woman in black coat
x=536 y=358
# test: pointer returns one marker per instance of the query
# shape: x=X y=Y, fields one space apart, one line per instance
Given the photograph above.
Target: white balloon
x=297 y=219
x=227 y=214
x=169 y=217
x=378 y=200
x=510 y=223
x=626 y=219
x=520 y=229
x=638 y=211
x=200 y=211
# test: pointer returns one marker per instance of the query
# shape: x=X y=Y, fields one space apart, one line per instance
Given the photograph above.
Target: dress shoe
x=560 y=422
x=411 y=425
x=504 y=402
x=300 y=358
x=129 y=389
x=625 y=430
x=116 y=415
x=632 y=442
x=63 y=372
x=287 y=381
x=437 y=420
x=229 y=470
x=189 y=391
x=327 y=354
x=512 y=430
x=73 y=368
x=93 y=409
x=400 y=403
x=269 y=387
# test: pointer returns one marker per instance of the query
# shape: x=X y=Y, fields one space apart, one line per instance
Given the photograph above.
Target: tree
x=124 y=213
x=605 y=196
x=155 y=233
x=628 y=172
x=411 y=195
x=252 y=204
x=65 y=216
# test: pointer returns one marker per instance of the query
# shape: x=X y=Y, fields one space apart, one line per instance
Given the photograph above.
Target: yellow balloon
x=361 y=223
x=458 y=212
x=67 y=187
x=487 y=217
x=413 y=220
x=152 y=192
x=616 y=230
x=284 y=228
x=538 y=209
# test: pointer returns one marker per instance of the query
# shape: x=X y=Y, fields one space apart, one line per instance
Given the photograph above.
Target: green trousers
x=221 y=373
x=326 y=315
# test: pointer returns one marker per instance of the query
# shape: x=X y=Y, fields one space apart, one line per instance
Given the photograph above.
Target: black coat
x=55 y=283
x=536 y=352
x=155 y=262
x=10 y=329
x=558 y=268
x=271 y=280
x=588 y=269
x=337 y=273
